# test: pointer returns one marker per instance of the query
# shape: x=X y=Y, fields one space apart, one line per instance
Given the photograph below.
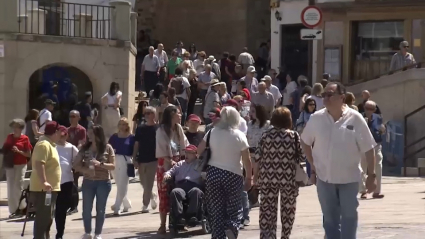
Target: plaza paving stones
x=400 y=215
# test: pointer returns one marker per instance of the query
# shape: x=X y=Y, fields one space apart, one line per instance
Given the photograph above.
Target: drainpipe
x=311 y=60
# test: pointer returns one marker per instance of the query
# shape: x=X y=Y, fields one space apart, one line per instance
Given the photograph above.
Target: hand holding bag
x=301 y=176
x=131 y=171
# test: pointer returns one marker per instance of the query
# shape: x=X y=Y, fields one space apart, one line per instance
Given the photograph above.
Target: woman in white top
x=66 y=152
x=224 y=179
x=291 y=86
x=257 y=126
x=111 y=102
x=316 y=95
x=199 y=63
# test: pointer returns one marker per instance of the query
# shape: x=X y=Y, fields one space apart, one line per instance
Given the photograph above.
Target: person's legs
x=195 y=196
x=150 y=180
x=177 y=196
x=89 y=192
x=331 y=208
x=216 y=204
x=183 y=104
x=10 y=178
x=63 y=203
x=233 y=200
x=287 y=213
x=102 y=192
x=20 y=171
x=268 y=212
x=245 y=208
x=163 y=196
x=348 y=200
x=43 y=214
x=378 y=169
x=362 y=186
x=121 y=180
x=142 y=176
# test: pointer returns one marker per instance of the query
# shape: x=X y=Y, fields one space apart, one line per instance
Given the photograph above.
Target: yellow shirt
x=46 y=153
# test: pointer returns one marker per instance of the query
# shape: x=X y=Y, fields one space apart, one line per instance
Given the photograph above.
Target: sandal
x=363 y=196
x=378 y=196
x=162 y=230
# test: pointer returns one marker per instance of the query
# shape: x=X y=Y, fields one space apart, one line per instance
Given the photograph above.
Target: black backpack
x=38 y=119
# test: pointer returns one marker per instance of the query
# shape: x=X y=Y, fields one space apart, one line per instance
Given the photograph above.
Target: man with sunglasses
x=144 y=155
x=402 y=58
x=341 y=137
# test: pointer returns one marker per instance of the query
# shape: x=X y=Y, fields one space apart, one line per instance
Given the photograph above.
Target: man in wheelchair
x=187 y=187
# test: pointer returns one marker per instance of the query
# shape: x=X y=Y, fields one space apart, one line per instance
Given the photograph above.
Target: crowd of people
x=257 y=135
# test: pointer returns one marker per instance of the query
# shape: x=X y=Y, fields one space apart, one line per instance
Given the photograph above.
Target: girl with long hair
x=170 y=144
x=139 y=117
x=95 y=161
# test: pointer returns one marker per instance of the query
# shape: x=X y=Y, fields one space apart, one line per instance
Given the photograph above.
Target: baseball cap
x=214 y=113
x=63 y=130
x=267 y=78
x=191 y=148
x=50 y=102
x=194 y=117
x=251 y=69
x=232 y=102
x=51 y=128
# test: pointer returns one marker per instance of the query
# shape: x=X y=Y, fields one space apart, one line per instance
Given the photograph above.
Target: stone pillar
x=36 y=21
x=8 y=16
x=83 y=25
x=133 y=20
x=23 y=23
x=120 y=20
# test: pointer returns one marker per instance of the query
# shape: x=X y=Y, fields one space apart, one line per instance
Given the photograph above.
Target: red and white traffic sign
x=311 y=16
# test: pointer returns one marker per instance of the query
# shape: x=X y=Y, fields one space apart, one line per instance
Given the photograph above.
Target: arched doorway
x=66 y=85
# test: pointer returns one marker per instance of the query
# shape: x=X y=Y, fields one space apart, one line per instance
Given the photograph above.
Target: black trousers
x=150 y=79
x=63 y=203
x=43 y=214
x=186 y=190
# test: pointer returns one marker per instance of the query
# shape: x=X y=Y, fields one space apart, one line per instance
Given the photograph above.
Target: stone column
x=133 y=20
x=83 y=25
x=8 y=16
x=120 y=20
x=23 y=23
x=36 y=21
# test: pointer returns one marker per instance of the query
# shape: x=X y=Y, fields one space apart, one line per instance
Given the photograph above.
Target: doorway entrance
x=295 y=53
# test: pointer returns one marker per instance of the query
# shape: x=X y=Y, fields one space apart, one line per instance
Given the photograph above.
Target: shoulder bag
x=301 y=176
x=206 y=155
x=130 y=169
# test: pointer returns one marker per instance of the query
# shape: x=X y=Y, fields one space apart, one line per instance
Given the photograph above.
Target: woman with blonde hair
x=316 y=95
x=350 y=100
x=122 y=143
x=224 y=95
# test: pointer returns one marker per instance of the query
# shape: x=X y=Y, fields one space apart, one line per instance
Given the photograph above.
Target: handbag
x=131 y=171
x=8 y=159
x=301 y=176
x=206 y=155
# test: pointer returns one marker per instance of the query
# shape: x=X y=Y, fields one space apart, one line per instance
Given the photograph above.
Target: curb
x=4 y=202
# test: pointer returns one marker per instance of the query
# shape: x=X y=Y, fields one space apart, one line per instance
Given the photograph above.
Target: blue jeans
x=245 y=205
x=308 y=167
x=91 y=189
x=339 y=206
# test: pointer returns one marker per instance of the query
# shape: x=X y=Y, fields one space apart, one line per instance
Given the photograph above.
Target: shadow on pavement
x=21 y=219
x=111 y=215
x=152 y=234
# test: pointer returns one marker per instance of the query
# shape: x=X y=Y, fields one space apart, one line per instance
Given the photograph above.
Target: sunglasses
x=328 y=94
x=72 y=116
x=311 y=104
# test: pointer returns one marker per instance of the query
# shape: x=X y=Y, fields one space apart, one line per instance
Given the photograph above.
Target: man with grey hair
x=402 y=58
x=163 y=61
x=144 y=157
x=272 y=88
x=377 y=129
x=150 y=70
x=263 y=98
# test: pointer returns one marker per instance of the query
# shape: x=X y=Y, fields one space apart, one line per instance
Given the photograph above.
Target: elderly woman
x=17 y=151
x=123 y=144
x=224 y=179
x=274 y=174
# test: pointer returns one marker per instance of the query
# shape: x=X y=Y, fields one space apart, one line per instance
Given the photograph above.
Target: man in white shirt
x=45 y=114
x=182 y=86
x=250 y=80
x=246 y=59
x=163 y=60
x=273 y=89
x=150 y=70
x=340 y=136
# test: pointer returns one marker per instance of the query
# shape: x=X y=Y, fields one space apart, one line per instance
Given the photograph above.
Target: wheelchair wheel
x=205 y=227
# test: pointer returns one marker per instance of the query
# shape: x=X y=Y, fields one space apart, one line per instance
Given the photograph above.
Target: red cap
x=214 y=113
x=233 y=103
x=191 y=148
x=51 y=128
x=194 y=117
x=63 y=130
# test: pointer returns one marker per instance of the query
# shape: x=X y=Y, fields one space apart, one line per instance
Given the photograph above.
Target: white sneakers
x=154 y=205
x=145 y=209
x=246 y=222
x=89 y=236
x=117 y=212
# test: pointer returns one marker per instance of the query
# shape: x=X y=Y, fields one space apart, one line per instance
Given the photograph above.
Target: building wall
x=102 y=61
x=214 y=26
x=291 y=14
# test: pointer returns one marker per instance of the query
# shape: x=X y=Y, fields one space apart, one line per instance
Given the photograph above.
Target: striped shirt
x=399 y=61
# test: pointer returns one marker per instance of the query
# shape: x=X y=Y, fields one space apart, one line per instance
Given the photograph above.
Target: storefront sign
x=311 y=16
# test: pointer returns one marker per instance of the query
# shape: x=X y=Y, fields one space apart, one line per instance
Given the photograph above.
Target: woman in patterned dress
x=170 y=144
x=276 y=157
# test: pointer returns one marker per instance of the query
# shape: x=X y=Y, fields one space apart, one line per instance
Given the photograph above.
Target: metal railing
x=407 y=146
x=57 y=18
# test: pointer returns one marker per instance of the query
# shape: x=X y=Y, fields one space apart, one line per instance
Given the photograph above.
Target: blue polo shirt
x=374 y=125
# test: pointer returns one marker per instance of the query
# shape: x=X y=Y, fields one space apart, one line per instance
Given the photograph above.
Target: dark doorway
x=295 y=53
x=63 y=84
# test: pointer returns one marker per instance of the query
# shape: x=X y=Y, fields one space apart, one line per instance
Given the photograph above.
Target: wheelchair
x=175 y=227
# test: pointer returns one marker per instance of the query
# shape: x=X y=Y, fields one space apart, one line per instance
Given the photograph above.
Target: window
x=374 y=44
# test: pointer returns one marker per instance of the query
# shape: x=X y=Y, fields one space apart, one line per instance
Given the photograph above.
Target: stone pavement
x=400 y=215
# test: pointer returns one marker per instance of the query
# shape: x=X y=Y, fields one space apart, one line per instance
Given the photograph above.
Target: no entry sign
x=311 y=16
